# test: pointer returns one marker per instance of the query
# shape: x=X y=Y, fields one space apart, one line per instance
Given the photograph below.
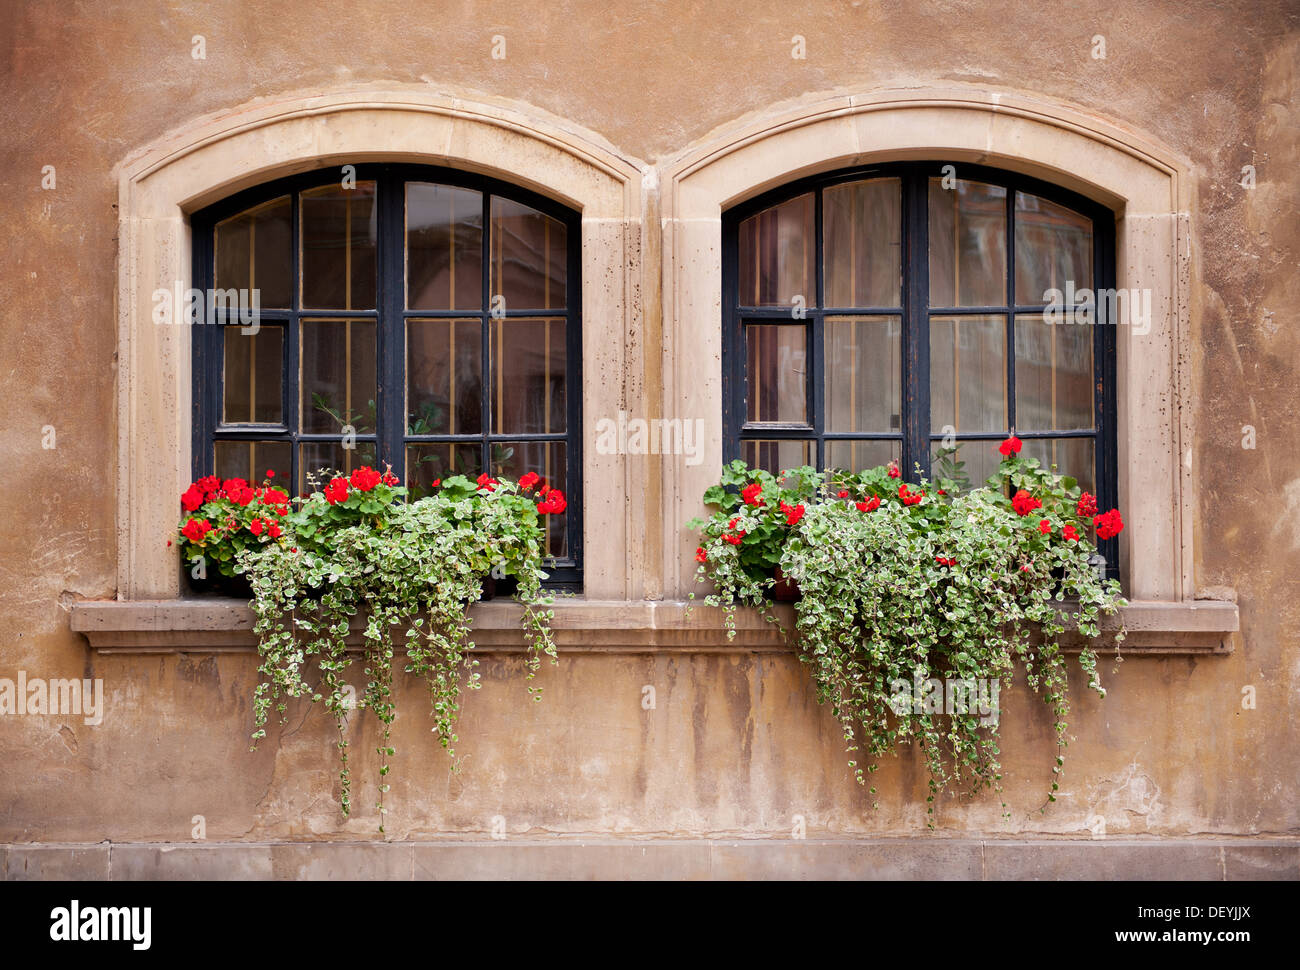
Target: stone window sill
x=211 y=625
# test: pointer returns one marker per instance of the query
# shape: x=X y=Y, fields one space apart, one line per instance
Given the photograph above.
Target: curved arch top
x=1145 y=185
x=215 y=157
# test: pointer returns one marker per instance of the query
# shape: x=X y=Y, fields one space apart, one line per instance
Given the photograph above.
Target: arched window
x=909 y=312
x=423 y=318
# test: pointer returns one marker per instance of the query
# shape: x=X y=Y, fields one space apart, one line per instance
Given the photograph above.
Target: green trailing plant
x=904 y=584
x=409 y=571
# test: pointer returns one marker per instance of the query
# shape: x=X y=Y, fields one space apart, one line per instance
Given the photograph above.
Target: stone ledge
x=659 y=859
x=211 y=625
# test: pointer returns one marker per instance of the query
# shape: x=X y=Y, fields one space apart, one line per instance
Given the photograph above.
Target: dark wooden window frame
x=390 y=316
x=916 y=436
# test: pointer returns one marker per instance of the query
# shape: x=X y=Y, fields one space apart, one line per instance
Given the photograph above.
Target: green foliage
x=410 y=570
x=957 y=586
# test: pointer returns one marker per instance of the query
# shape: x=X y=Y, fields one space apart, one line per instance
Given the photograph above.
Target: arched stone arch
x=160 y=185
x=1146 y=186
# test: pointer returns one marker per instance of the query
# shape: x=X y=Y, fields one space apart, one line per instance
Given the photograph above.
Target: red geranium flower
x=241 y=495
x=1109 y=524
x=233 y=484
x=275 y=497
x=1010 y=447
x=389 y=479
x=1070 y=534
x=435 y=483
x=553 y=504
x=365 y=478
x=792 y=513
x=1087 y=506
x=893 y=469
x=844 y=493
x=701 y=555
x=909 y=497
x=1024 y=503
x=1045 y=526
x=208 y=484
x=192 y=499
x=945 y=562
x=870 y=505
x=274 y=530
x=270 y=473
x=750 y=493
x=196 y=529
x=734 y=540
x=529 y=480
x=336 y=491
x=256 y=527
x=485 y=481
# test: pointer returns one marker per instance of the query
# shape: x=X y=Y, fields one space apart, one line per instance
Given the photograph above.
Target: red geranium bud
x=893 y=469
x=1010 y=447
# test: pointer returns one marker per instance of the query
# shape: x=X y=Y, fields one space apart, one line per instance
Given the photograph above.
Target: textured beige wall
x=736 y=743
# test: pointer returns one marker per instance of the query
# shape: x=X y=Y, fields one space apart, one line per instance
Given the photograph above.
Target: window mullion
x=390 y=331
x=291 y=391
x=916 y=327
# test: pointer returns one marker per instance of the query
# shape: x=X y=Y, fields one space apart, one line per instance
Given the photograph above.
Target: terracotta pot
x=785 y=590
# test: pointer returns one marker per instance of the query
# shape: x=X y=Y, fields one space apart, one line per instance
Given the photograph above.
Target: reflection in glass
x=528 y=393
x=444 y=377
x=856 y=456
x=319 y=460
x=1053 y=247
x=444 y=247
x=777 y=255
x=339 y=229
x=251 y=460
x=337 y=361
x=1075 y=457
x=864 y=374
x=968 y=244
x=254 y=251
x=514 y=459
x=777 y=373
x=964 y=464
x=1054 y=388
x=431 y=461
x=776 y=456
x=863 y=243
x=968 y=373
x=252 y=376
x=529 y=257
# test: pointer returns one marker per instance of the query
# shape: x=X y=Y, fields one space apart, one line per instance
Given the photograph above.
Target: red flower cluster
x=701 y=555
x=870 y=505
x=552 y=502
x=751 y=494
x=336 y=491
x=365 y=478
x=1109 y=524
x=269 y=526
x=1087 y=506
x=893 y=469
x=487 y=483
x=909 y=497
x=1010 y=447
x=529 y=481
x=792 y=513
x=1045 y=526
x=1070 y=534
x=942 y=561
x=736 y=535
x=844 y=493
x=209 y=488
x=196 y=529
x=1024 y=503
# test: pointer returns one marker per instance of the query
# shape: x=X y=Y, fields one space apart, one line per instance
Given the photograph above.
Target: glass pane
x=252 y=377
x=777 y=456
x=338 y=247
x=529 y=257
x=253 y=460
x=862 y=229
x=856 y=456
x=968 y=244
x=1072 y=456
x=778 y=254
x=968 y=373
x=444 y=377
x=338 y=376
x=968 y=463
x=513 y=459
x=254 y=251
x=429 y=461
x=528 y=383
x=777 y=373
x=864 y=374
x=1054 y=389
x=444 y=247
x=1053 y=247
x=323 y=459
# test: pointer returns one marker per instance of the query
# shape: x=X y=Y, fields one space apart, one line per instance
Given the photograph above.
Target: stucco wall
x=735 y=743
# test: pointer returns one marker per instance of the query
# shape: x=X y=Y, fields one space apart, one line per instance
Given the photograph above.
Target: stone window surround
x=639 y=524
